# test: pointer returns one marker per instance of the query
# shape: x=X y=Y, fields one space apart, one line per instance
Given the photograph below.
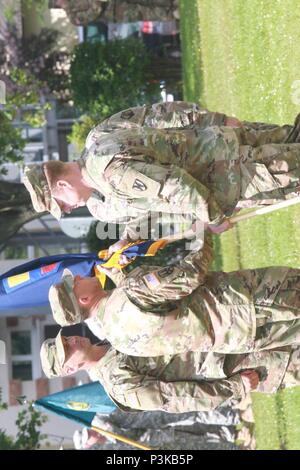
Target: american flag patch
x=151 y=280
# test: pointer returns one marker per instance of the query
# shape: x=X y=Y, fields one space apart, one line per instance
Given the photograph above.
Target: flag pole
x=239 y=218
x=126 y=440
x=265 y=210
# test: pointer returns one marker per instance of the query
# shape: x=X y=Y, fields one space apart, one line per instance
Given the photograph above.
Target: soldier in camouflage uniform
x=202 y=172
x=181 y=308
x=181 y=114
x=192 y=381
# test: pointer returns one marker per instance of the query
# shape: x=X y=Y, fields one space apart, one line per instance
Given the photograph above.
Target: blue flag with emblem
x=27 y=285
x=79 y=403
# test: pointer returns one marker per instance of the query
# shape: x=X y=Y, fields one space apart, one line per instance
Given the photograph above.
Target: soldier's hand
x=93 y=437
x=107 y=271
x=115 y=247
x=232 y=122
x=250 y=380
x=223 y=227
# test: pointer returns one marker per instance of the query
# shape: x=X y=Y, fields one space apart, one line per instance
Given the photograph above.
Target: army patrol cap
x=64 y=305
x=36 y=183
x=53 y=356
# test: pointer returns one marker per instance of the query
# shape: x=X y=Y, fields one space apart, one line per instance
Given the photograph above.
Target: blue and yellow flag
x=27 y=285
x=131 y=250
x=78 y=403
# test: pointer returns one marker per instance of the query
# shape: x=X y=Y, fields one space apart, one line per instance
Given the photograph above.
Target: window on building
x=20 y=343
x=15 y=252
x=21 y=354
x=22 y=370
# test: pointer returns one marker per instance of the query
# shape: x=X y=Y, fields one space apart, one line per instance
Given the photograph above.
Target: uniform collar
x=98 y=373
x=101 y=309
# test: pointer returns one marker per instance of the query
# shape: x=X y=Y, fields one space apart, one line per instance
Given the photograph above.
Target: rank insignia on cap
x=127 y=114
x=139 y=185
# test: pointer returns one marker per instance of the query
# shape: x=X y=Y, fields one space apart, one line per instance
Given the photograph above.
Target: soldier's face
x=86 y=291
x=76 y=351
x=86 y=287
x=69 y=190
x=68 y=196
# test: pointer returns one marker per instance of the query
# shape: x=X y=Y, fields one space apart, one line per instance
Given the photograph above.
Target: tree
x=98 y=70
x=24 y=70
x=11 y=142
x=29 y=422
x=29 y=437
x=15 y=209
x=108 y=77
x=36 y=57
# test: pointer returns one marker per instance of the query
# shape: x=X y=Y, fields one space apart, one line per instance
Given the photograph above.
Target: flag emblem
x=13 y=283
x=78 y=406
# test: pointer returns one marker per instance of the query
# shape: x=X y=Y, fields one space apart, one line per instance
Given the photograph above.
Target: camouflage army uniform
x=192 y=381
x=82 y=12
x=202 y=430
x=180 y=114
x=198 y=172
x=181 y=308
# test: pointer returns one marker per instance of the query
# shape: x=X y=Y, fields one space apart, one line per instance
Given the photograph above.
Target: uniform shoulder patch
x=127 y=114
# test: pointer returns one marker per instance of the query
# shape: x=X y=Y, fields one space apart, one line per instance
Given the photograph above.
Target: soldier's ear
x=84 y=300
x=68 y=370
x=62 y=184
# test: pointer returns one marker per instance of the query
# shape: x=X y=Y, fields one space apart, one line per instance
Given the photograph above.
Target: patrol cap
x=36 y=183
x=53 y=356
x=64 y=305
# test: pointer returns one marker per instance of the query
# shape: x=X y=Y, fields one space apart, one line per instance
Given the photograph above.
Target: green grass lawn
x=242 y=57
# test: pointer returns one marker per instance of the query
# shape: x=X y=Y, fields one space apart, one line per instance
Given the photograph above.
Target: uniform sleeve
x=176 y=114
x=165 y=188
x=152 y=291
x=157 y=225
x=181 y=114
x=146 y=393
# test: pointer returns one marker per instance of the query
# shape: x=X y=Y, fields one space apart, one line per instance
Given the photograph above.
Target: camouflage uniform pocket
x=255 y=178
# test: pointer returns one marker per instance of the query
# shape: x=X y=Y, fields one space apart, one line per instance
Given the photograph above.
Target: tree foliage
x=81 y=129
x=29 y=436
x=106 y=78
x=11 y=142
x=38 y=59
x=29 y=422
x=15 y=209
